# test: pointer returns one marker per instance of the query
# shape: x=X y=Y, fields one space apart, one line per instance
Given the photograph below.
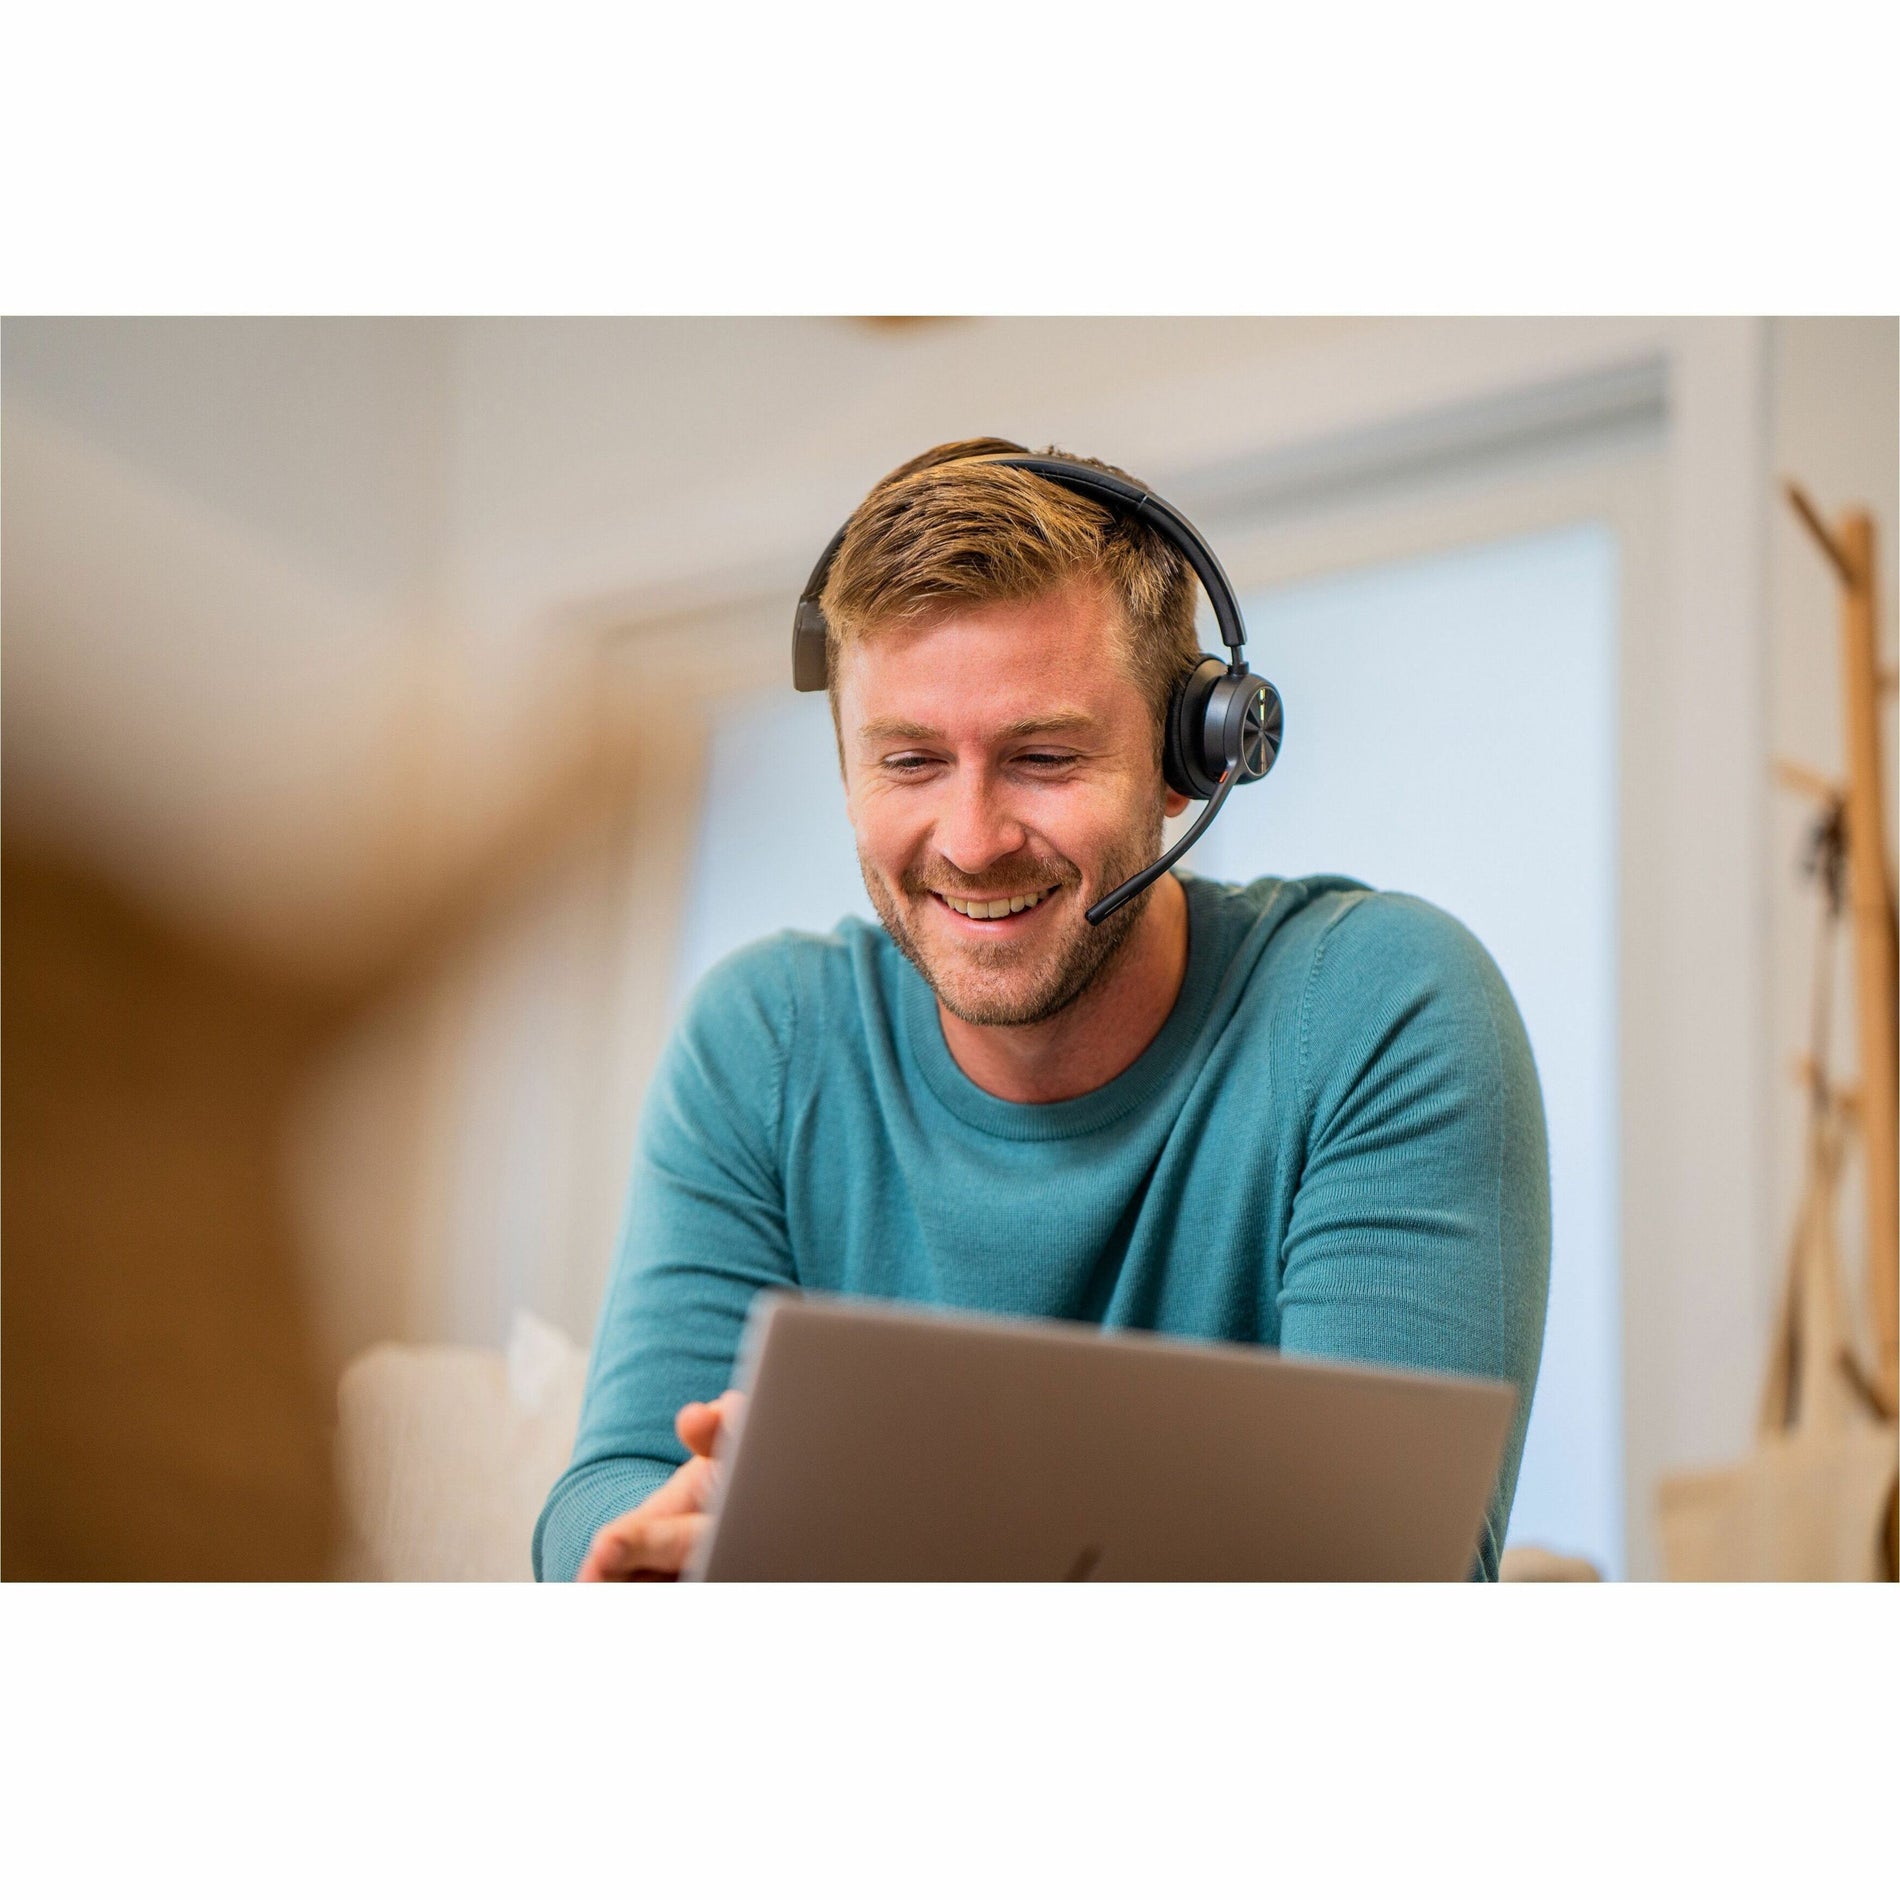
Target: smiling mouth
x=994 y=909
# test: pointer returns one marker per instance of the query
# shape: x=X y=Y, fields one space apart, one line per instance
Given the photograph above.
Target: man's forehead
x=1059 y=719
x=1006 y=668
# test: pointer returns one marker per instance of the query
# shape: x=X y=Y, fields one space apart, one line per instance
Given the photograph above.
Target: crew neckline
x=1080 y=1114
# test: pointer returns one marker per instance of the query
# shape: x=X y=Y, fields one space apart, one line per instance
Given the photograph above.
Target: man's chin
x=1012 y=986
x=997 y=1005
x=993 y=985
x=990 y=987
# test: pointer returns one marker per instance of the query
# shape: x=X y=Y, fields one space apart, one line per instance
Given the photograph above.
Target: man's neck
x=1101 y=1033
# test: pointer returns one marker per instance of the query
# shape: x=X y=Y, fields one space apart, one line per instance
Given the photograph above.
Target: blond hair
x=945 y=530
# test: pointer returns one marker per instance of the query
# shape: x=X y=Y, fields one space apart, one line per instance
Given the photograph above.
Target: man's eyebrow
x=1065 y=719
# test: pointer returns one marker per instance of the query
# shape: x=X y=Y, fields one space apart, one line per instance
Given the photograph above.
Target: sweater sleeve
x=704 y=1232
x=1420 y=1230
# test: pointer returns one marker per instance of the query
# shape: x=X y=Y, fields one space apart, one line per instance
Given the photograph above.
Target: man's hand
x=655 y=1541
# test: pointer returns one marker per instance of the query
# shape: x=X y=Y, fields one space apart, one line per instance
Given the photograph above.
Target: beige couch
x=445 y=1454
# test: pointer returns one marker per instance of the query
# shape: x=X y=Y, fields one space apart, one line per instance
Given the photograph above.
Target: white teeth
x=999 y=907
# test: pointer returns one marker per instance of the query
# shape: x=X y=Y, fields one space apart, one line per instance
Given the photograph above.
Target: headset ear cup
x=1184 y=760
x=1265 y=746
x=1245 y=722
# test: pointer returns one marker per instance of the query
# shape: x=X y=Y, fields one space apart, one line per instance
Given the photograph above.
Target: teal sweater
x=1335 y=1146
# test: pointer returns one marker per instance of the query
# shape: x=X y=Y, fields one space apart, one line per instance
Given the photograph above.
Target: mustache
x=1018 y=880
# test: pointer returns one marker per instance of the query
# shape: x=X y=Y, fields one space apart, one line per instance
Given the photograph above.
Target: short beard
x=1075 y=965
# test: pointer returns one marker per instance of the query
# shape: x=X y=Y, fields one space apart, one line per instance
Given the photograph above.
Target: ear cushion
x=810 y=664
x=1184 y=759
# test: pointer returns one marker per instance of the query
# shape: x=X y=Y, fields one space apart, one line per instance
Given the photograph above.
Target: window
x=1451 y=732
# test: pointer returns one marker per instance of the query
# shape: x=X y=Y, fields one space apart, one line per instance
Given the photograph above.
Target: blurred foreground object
x=1819 y=1498
x=167 y=1405
x=445 y=1454
x=162 y=1415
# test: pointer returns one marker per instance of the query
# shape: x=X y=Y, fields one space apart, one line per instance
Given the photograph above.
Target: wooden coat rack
x=1818 y=1497
x=1870 y=897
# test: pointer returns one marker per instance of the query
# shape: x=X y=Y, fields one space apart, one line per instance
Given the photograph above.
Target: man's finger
x=699 y=1425
x=687 y=1492
x=634 y=1548
x=688 y=1489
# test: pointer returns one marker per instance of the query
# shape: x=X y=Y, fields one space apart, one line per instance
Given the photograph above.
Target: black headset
x=1223 y=723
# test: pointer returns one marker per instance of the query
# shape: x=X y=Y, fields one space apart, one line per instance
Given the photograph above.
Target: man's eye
x=910 y=762
x=1045 y=760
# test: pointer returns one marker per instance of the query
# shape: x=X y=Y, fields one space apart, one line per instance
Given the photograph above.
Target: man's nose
x=975 y=827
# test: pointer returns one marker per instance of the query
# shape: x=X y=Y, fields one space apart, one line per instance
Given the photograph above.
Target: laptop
x=891 y=1442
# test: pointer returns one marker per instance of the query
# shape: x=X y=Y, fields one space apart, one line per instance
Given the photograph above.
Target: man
x=1296 y=1114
